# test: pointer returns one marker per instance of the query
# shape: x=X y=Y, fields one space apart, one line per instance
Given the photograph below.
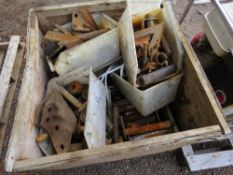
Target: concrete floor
x=13 y=17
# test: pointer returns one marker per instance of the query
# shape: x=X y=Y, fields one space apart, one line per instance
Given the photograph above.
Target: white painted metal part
x=94 y=53
x=95 y=124
x=217 y=33
x=149 y=100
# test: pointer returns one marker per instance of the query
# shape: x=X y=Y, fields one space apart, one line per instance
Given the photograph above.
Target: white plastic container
x=153 y=98
x=219 y=37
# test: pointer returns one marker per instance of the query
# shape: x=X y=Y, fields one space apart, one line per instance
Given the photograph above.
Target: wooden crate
x=198 y=114
x=11 y=58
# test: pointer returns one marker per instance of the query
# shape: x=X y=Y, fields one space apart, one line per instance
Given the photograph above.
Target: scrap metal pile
x=153 y=51
x=81 y=111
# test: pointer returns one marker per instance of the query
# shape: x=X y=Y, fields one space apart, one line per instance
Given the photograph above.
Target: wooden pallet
x=11 y=56
x=209 y=158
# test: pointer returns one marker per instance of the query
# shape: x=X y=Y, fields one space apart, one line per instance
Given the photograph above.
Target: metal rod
x=156 y=76
x=186 y=10
x=147 y=128
x=116 y=118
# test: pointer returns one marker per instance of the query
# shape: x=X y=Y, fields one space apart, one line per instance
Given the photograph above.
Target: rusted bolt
x=42 y=137
x=75 y=88
x=161 y=59
x=149 y=67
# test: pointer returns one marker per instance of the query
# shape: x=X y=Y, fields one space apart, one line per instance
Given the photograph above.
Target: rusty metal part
x=145 y=32
x=46 y=145
x=86 y=14
x=79 y=24
x=90 y=35
x=149 y=21
x=161 y=59
x=156 y=76
x=62 y=37
x=80 y=106
x=58 y=120
x=166 y=47
x=147 y=128
x=116 y=118
x=137 y=23
x=76 y=147
x=42 y=137
x=149 y=67
x=144 y=59
x=75 y=88
x=68 y=40
x=155 y=41
x=83 y=37
x=62 y=29
x=152 y=134
x=142 y=40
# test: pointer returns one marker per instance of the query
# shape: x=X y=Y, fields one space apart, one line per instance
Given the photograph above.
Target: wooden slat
x=11 y=94
x=61 y=11
x=34 y=80
x=7 y=69
x=119 y=151
x=95 y=6
x=198 y=105
x=3 y=48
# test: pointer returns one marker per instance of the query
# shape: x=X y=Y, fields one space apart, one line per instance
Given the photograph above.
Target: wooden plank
x=7 y=69
x=46 y=14
x=197 y=105
x=33 y=82
x=95 y=6
x=119 y=151
x=11 y=94
x=3 y=48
